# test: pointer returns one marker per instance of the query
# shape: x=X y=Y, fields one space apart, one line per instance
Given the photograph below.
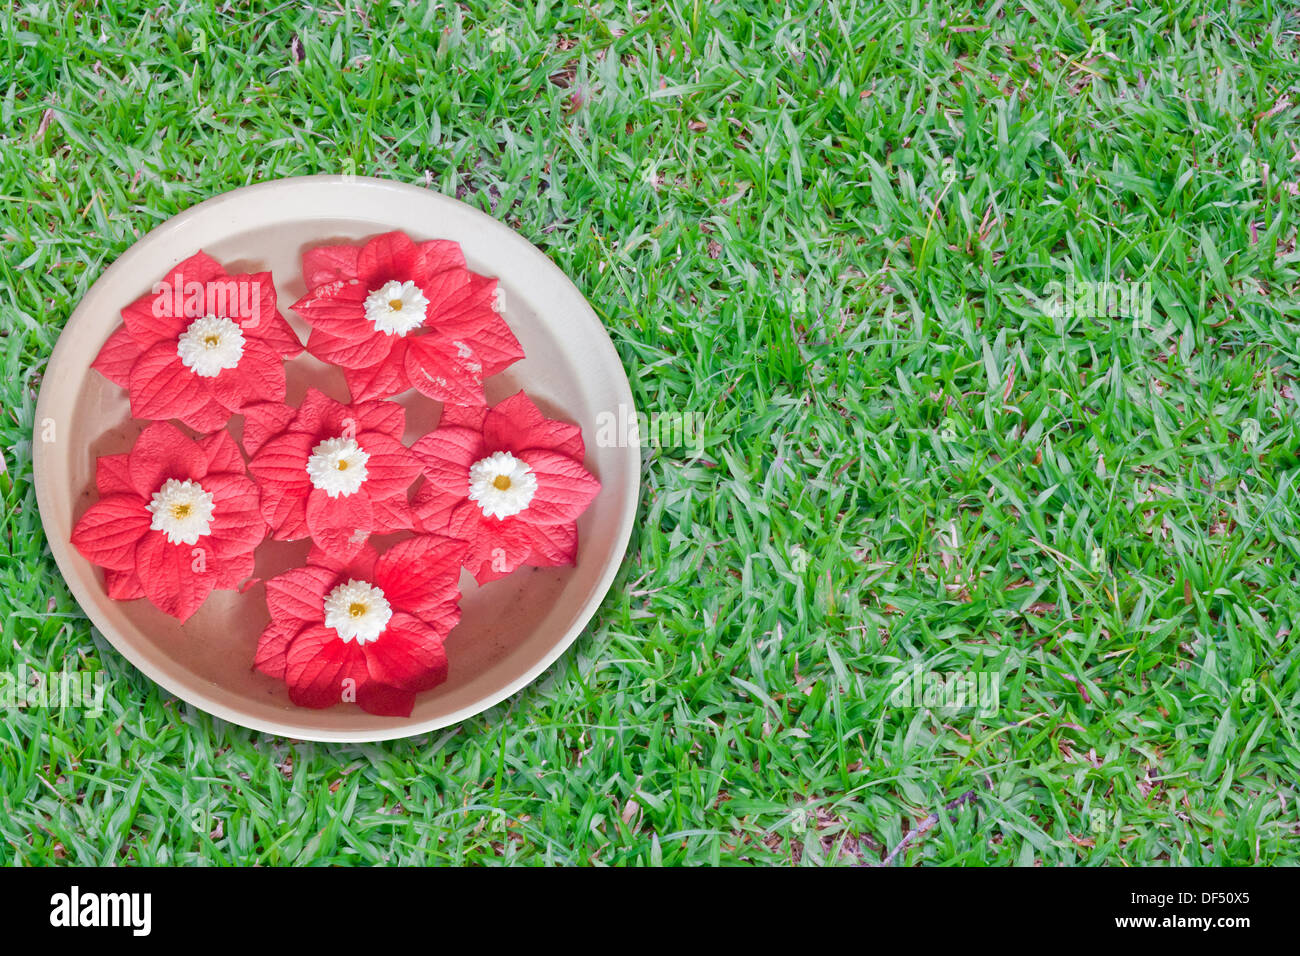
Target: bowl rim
x=89 y=603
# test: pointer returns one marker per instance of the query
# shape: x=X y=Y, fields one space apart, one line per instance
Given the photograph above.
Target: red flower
x=176 y=519
x=334 y=473
x=200 y=346
x=397 y=315
x=508 y=481
x=369 y=631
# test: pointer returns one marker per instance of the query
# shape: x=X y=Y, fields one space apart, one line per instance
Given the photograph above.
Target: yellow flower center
x=501 y=482
x=356 y=609
x=395 y=305
x=181 y=511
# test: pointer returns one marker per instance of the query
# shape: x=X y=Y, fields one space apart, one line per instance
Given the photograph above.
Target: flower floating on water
x=201 y=346
x=508 y=481
x=331 y=472
x=396 y=315
x=176 y=519
x=368 y=631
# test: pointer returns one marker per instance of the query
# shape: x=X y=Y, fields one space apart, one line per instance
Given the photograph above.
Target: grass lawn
x=836 y=234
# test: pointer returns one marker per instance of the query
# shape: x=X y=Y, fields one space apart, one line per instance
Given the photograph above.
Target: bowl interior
x=510 y=629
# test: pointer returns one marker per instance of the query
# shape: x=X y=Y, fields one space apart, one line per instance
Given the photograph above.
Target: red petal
x=154 y=318
x=381 y=379
x=386 y=417
x=391 y=514
x=267 y=325
x=168 y=575
x=282 y=461
x=321 y=416
x=233 y=569
x=222 y=453
x=109 y=531
x=466 y=416
x=163 y=451
x=317 y=665
x=273 y=645
x=494 y=345
x=338 y=309
x=440 y=370
x=390 y=256
x=420 y=575
x=285 y=512
x=564 y=488
x=123 y=585
x=391 y=467
x=360 y=565
x=300 y=594
x=437 y=256
x=355 y=351
x=408 y=655
x=327 y=264
x=496 y=548
x=237 y=525
x=263 y=421
x=552 y=544
x=161 y=387
x=113 y=475
x=340 y=525
x=207 y=418
x=516 y=424
x=117 y=357
x=258 y=377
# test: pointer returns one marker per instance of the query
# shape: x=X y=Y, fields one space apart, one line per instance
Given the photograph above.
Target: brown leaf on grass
x=46 y=118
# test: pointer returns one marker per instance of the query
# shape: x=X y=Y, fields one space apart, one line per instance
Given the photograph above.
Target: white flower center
x=501 y=484
x=210 y=345
x=183 y=510
x=337 y=466
x=357 y=611
x=396 y=308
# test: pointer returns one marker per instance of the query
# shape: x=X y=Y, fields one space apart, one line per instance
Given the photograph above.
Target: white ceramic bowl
x=511 y=630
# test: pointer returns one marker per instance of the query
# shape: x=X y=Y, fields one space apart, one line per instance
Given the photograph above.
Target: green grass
x=825 y=231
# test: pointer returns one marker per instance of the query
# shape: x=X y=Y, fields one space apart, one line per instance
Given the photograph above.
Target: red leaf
x=390 y=256
x=353 y=351
x=515 y=424
x=391 y=514
x=391 y=467
x=108 y=532
x=300 y=594
x=282 y=461
x=113 y=475
x=318 y=663
x=443 y=372
x=118 y=357
x=161 y=387
x=494 y=345
x=437 y=256
x=337 y=308
x=381 y=379
x=273 y=645
x=237 y=525
x=420 y=575
x=564 y=488
x=123 y=585
x=341 y=524
x=408 y=655
x=155 y=318
x=170 y=580
x=259 y=376
x=327 y=264
x=264 y=421
x=208 y=418
x=163 y=451
x=222 y=453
